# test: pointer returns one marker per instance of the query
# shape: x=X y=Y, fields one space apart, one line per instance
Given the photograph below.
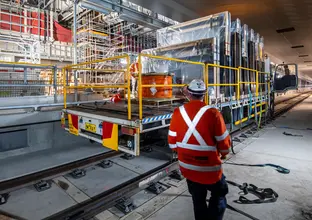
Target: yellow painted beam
x=246 y=119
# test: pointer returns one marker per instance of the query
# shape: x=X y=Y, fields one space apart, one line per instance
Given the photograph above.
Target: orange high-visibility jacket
x=134 y=69
x=199 y=135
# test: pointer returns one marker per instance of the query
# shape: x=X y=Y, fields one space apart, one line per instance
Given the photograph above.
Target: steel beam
x=75 y=47
x=126 y=13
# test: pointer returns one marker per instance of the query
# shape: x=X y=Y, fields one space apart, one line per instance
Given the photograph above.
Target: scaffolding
x=100 y=36
x=28 y=33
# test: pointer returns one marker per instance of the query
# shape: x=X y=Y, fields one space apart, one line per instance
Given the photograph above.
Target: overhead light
x=284 y=30
x=297 y=46
x=305 y=55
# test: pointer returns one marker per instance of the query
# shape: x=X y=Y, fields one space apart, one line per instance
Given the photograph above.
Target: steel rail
x=285 y=100
x=103 y=201
x=22 y=181
x=290 y=106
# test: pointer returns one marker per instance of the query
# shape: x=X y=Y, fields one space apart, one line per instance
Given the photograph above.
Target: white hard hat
x=197 y=87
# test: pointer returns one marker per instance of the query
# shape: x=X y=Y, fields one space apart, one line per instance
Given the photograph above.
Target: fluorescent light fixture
x=284 y=30
x=297 y=46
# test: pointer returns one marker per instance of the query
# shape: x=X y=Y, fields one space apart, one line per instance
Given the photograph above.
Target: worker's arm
x=222 y=135
x=172 y=134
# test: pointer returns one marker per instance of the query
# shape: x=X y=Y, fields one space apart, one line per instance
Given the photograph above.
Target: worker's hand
x=223 y=157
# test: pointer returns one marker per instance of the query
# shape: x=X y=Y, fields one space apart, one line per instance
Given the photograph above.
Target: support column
x=75 y=47
x=51 y=26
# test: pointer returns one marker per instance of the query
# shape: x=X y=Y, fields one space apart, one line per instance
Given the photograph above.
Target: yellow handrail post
x=64 y=86
x=140 y=87
x=128 y=87
x=206 y=78
x=238 y=85
x=257 y=83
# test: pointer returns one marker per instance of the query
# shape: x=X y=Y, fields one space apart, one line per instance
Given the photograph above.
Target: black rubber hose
x=241 y=212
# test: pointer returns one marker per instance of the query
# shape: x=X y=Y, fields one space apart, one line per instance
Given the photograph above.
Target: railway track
x=107 y=199
x=285 y=105
x=22 y=181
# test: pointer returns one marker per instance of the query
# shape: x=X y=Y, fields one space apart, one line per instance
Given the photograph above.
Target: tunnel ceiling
x=264 y=16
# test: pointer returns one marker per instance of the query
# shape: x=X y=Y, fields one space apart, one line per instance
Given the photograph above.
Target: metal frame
x=130 y=12
x=25 y=83
x=101 y=86
x=237 y=84
x=140 y=86
x=153 y=122
x=22 y=43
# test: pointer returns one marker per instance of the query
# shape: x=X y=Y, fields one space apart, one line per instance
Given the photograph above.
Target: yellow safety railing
x=205 y=73
x=26 y=64
x=247 y=118
x=264 y=83
x=249 y=83
x=80 y=67
x=237 y=85
x=257 y=83
x=140 y=85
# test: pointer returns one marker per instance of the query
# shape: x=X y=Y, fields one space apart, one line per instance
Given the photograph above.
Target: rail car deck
x=119 y=111
x=108 y=123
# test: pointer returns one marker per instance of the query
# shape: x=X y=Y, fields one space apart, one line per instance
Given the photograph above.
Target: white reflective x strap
x=224 y=151
x=192 y=124
x=223 y=136
x=200 y=168
x=172 y=133
x=196 y=147
x=172 y=146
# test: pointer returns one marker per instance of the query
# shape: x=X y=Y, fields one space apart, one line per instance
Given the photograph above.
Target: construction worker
x=199 y=136
x=134 y=71
x=116 y=98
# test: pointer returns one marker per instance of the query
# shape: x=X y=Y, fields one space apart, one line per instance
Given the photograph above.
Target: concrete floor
x=270 y=145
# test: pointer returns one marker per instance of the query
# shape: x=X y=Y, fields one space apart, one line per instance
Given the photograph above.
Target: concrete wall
x=26 y=139
x=24 y=131
x=28 y=118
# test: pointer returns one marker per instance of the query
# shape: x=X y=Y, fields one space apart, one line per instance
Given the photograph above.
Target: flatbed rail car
x=123 y=126
x=108 y=124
